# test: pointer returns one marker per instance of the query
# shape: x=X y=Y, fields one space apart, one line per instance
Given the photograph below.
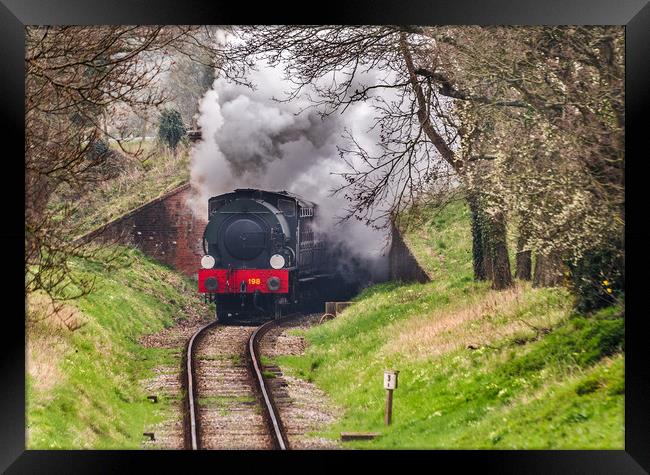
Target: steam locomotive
x=262 y=254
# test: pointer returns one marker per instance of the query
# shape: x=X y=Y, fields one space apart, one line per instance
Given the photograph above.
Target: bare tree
x=419 y=131
x=76 y=77
x=529 y=120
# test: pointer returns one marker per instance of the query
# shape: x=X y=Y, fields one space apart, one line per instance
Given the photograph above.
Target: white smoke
x=250 y=140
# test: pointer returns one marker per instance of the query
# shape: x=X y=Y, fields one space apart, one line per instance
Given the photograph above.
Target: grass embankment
x=150 y=173
x=478 y=368
x=85 y=387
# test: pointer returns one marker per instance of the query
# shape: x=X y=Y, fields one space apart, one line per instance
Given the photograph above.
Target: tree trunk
x=548 y=270
x=498 y=246
x=524 y=265
x=524 y=262
x=487 y=249
x=478 y=239
x=524 y=258
x=423 y=111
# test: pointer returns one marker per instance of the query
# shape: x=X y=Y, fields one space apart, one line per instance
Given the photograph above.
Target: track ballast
x=229 y=403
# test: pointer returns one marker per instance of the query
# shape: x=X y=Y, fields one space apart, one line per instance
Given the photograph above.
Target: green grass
x=98 y=399
x=478 y=368
x=439 y=240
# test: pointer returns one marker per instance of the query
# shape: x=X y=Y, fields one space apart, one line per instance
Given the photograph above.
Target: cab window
x=287 y=207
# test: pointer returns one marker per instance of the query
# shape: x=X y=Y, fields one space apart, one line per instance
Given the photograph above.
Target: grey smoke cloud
x=251 y=140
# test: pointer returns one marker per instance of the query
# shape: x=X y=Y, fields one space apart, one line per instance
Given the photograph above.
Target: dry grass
x=40 y=308
x=48 y=331
x=142 y=180
x=477 y=322
x=159 y=164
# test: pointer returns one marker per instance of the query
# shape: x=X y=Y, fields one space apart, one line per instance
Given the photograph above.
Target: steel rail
x=278 y=433
x=190 y=387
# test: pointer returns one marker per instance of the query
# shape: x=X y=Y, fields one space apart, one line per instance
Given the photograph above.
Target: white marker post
x=390 y=383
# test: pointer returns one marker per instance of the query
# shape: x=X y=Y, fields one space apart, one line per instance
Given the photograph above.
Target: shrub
x=598 y=279
x=171 y=129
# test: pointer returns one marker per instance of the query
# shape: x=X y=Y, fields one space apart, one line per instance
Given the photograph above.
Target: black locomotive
x=263 y=254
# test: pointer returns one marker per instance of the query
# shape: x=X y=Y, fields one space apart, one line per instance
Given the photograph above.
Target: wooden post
x=390 y=383
x=389 y=407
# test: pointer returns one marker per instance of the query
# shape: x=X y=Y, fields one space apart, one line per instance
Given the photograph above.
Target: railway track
x=229 y=402
x=278 y=432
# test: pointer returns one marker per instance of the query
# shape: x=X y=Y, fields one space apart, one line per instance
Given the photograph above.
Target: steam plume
x=250 y=140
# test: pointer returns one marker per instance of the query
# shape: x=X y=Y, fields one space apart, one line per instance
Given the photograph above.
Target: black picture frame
x=15 y=14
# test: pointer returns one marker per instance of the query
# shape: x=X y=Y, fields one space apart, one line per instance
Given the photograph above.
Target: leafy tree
x=558 y=147
x=170 y=128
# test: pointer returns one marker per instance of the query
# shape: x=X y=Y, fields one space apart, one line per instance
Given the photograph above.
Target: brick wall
x=402 y=265
x=164 y=229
